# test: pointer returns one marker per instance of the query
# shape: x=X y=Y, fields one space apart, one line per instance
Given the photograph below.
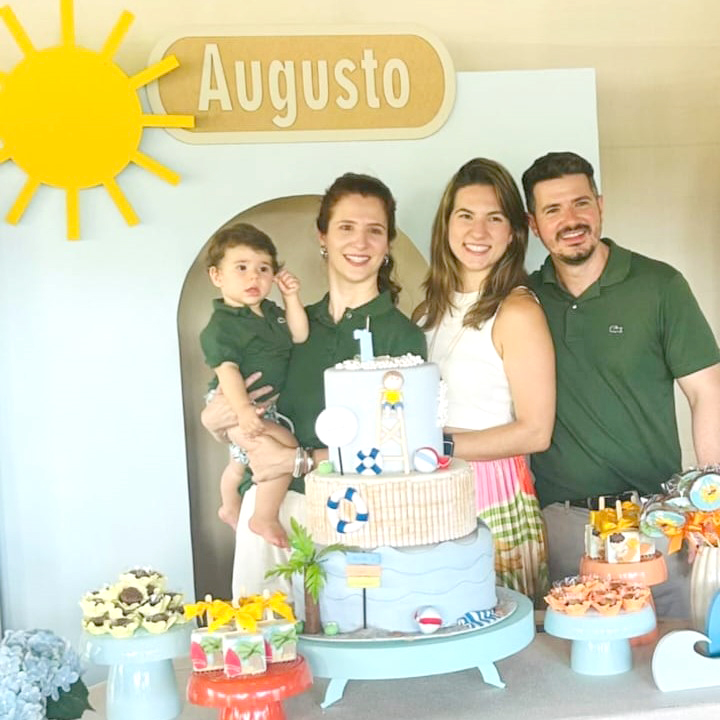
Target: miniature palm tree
x=307 y=561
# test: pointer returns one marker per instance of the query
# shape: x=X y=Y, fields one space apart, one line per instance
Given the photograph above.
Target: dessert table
x=540 y=684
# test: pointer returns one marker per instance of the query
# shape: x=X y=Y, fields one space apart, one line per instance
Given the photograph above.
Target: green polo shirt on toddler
x=619 y=347
x=251 y=341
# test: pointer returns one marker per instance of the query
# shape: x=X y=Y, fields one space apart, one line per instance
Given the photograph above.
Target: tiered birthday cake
x=404 y=510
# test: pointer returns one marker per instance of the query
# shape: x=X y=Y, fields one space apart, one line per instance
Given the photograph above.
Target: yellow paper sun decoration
x=70 y=118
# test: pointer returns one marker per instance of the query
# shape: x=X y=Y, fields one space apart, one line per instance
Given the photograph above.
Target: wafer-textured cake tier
x=391 y=509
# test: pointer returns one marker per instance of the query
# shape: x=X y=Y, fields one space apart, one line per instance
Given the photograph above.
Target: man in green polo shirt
x=625 y=328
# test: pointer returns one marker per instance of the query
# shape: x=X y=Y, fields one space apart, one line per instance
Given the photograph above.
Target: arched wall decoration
x=95 y=125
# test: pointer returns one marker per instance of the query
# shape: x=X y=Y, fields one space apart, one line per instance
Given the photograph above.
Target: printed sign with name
x=270 y=85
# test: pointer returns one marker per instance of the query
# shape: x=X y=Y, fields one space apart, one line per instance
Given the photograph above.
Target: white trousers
x=254 y=556
x=566 y=544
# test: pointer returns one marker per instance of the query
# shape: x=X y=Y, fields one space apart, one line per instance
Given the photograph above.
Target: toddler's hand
x=249 y=423
x=287 y=282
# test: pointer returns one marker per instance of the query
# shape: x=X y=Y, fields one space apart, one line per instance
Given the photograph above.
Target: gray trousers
x=566 y=544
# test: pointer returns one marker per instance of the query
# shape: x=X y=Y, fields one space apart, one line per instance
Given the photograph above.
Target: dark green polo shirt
x=330 y=343
x=252 y=342
x=619 y=347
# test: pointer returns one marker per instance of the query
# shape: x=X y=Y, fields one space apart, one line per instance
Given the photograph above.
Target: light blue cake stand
x=141 y=682
x=416 y=656
x=600 y=643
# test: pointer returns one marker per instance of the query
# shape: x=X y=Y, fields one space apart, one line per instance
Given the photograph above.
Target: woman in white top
x=488 y=334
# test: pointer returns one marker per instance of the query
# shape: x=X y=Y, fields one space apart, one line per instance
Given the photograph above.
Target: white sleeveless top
x=477 y=387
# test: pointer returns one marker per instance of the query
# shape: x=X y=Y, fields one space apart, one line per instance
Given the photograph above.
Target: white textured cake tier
x=453 y=578
x=397 y=510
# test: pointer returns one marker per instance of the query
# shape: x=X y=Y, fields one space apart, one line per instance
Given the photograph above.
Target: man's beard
x=583 y=255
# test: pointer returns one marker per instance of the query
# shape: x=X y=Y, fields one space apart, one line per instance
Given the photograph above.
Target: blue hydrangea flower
x=34 y=665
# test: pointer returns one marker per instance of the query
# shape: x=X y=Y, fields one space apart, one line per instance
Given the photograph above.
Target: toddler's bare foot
x=229 y=516
x=270 y=529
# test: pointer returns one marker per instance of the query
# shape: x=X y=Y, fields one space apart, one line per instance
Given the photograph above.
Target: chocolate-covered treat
x=159 y=623
x=96 y=625
x=131 y=597
x=123 y=627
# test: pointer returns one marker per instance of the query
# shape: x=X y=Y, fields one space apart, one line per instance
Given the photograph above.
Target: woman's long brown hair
x=445 y=277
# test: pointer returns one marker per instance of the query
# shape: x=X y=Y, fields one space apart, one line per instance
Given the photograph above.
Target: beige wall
x=657 y=75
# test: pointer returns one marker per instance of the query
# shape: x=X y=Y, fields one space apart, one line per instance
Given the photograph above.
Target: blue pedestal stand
x=600 y=643
x=141 y=682
x=416 y=656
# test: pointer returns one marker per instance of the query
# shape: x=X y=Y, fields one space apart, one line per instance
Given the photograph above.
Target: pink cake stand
x=648 y=572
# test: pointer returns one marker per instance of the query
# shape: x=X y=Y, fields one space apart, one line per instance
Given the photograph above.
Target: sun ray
x=171 y=121
x=22 y=201
x=67 y=23
x=121 y=201
x=41 y=109
x=117 y=34
x=72 y=205
x=16 y=30
x=154 y=71
x=153 y=166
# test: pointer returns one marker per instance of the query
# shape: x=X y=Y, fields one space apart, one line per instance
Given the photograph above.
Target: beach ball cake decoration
x=428 y=619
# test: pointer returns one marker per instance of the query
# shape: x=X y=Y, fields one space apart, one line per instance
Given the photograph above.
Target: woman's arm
x=271 y=460
x=232 y=383
x=522 y=338
x=217 y=416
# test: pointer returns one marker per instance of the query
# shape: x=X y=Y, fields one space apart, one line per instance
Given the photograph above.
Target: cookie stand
x=646 y=572
x=141 y=682
x=252 y=697
x=600 y=643
x=418 y=656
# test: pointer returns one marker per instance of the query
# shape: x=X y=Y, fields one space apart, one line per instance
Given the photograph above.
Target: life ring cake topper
x=70 y=118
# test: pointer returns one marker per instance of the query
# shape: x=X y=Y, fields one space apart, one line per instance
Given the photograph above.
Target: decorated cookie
x=705 y=492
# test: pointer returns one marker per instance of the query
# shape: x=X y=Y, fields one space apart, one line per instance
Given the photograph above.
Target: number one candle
x=365 y=338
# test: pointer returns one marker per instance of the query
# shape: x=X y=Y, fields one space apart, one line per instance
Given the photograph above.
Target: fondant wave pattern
x=453 y=577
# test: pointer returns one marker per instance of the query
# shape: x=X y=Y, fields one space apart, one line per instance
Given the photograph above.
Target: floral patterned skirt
x=507 y=503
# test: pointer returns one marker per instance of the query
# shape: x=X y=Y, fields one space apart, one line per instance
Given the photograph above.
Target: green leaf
x=314 y=580
x=337 y=547
x=211 y=643
x=300 y=540
x=70 y=705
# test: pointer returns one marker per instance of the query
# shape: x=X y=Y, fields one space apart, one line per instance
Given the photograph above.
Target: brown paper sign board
x=305 y=84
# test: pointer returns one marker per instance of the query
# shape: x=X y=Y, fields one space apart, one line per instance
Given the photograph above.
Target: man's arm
x=702 y=389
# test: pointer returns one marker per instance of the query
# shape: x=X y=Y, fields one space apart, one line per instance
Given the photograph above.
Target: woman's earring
x=323 y=252
x=386 y=261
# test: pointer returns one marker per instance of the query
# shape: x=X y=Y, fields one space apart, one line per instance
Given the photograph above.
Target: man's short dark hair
x=552 y=166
